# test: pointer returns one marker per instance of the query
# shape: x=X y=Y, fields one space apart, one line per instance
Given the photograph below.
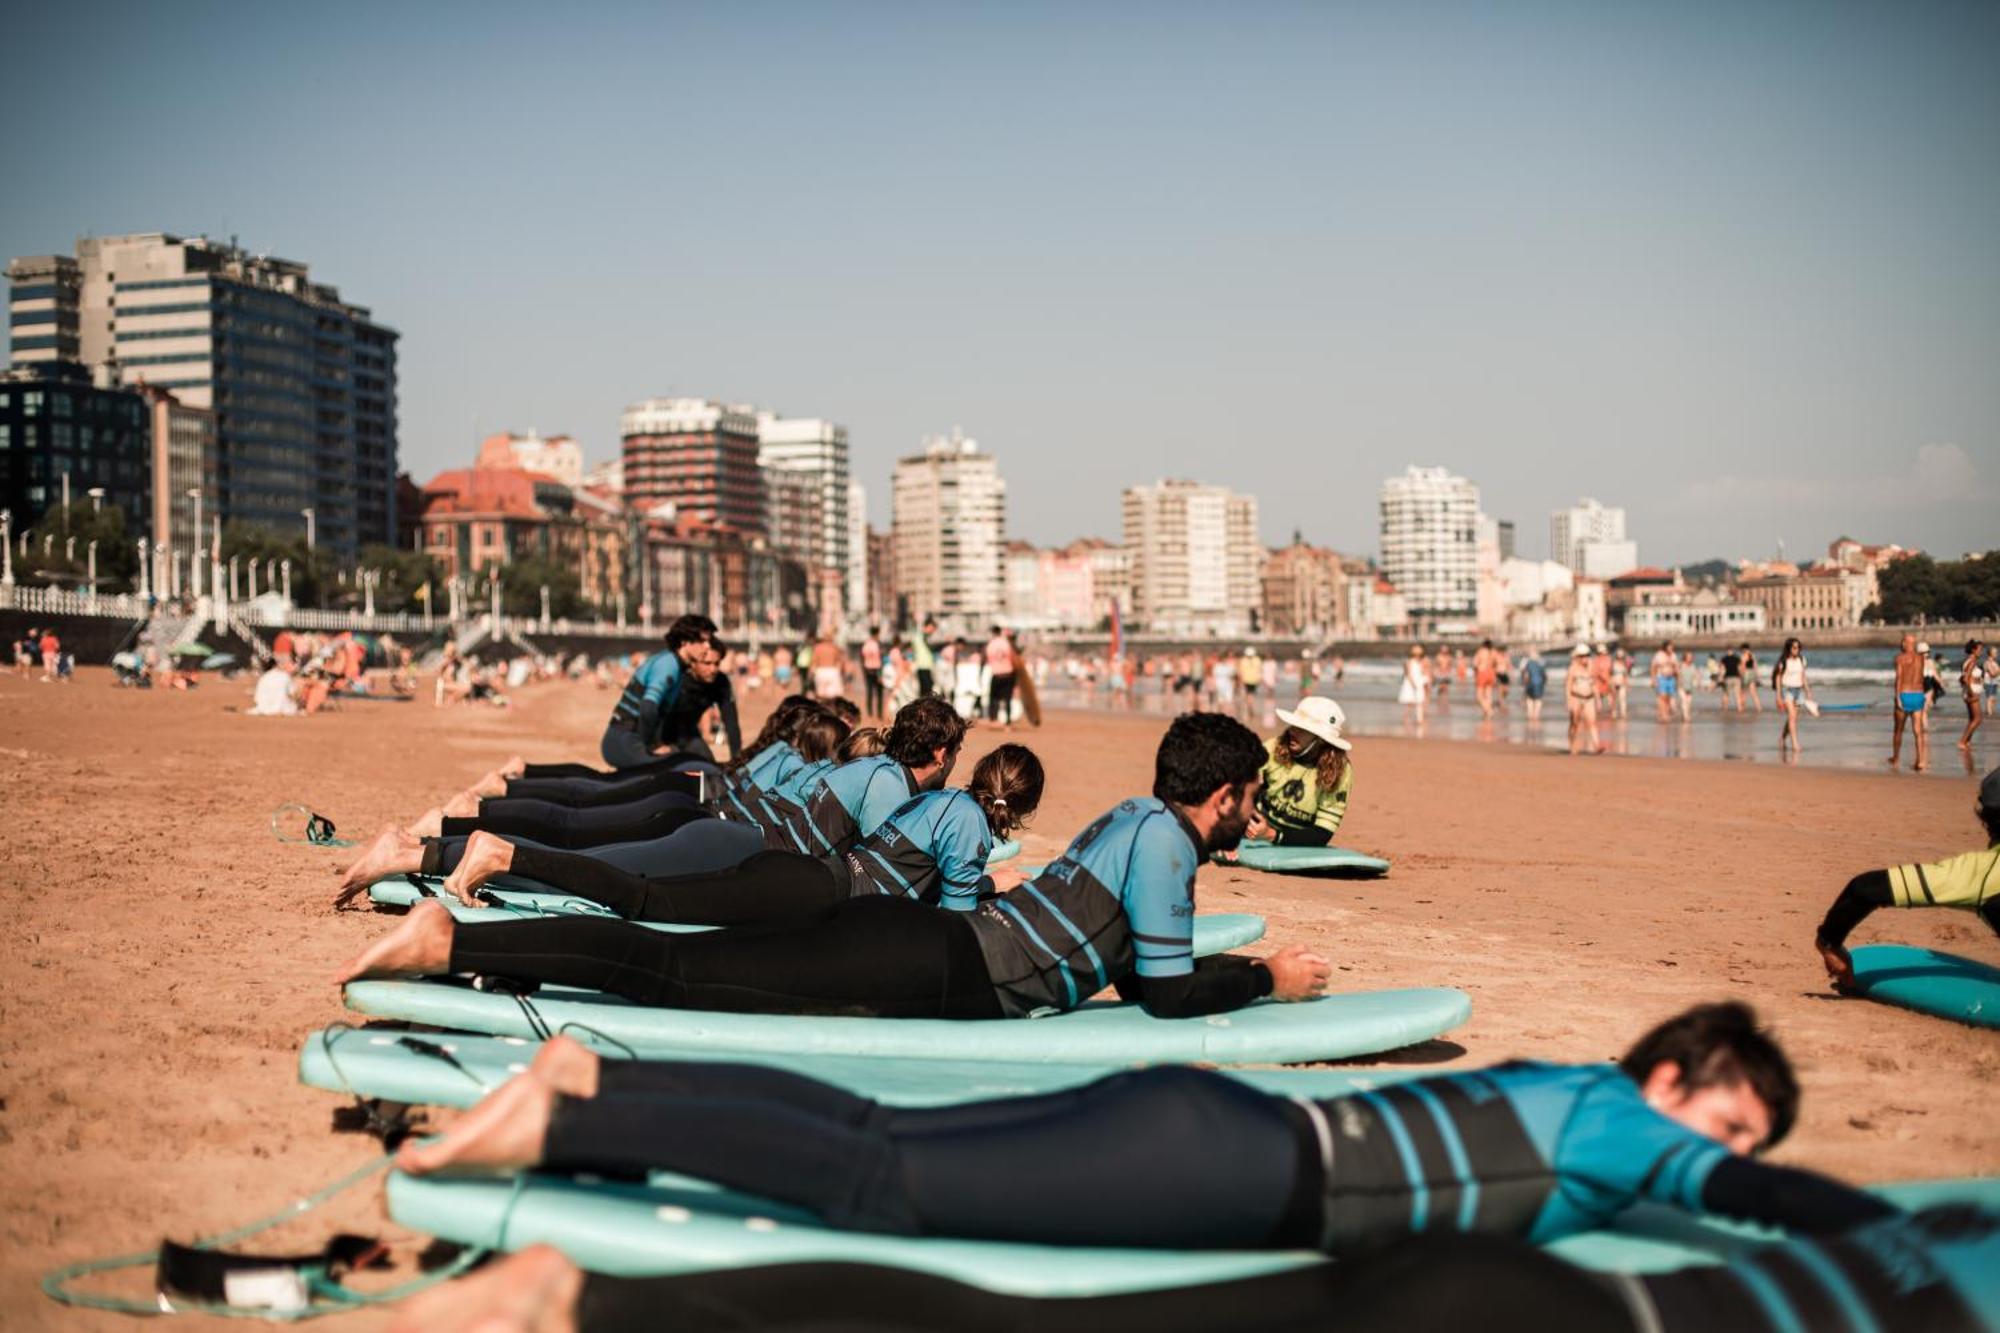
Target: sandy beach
x=164 y=954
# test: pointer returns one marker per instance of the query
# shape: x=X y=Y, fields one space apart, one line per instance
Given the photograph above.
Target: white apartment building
x=1430 y=543
x=1590 y=538
x=811 y=447
x=1195 y=558
x=949 y=529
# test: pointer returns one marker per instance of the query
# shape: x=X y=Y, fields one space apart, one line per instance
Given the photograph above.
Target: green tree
x=84 y=522
x=402 y=573
x=1919 y=587
x=313 y=571
x=522 y=581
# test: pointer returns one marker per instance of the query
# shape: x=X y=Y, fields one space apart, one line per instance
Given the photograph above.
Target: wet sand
x=164 y=955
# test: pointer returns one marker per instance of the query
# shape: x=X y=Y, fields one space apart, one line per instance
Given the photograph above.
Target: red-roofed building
x=482 y=516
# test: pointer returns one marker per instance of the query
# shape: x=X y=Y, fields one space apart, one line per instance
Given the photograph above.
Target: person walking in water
x=1416 y=685
x=1580 y=687
x=1666 y=680
x=1970 y=682
x=1910 y=701
x=871 y=672
x=1788 y=684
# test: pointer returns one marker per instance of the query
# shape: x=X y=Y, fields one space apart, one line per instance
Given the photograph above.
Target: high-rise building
x=1195 y=557
x=796 y=516
x=302 y=384
x=43 y=310
x=815 y=450
x=697 y=455
x=859 y=556
x=1590 y=539
x=62 y=436
x=1430 y=543
x=558 y=456
x=183 y=461
x=949 y=521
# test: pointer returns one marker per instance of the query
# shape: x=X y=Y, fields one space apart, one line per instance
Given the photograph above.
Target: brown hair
x=1008 y=786
x=1721 y=1044
x=1332 y=762
x=921 y=729
x=861 y=743
x=818 y=735
x=782 y=725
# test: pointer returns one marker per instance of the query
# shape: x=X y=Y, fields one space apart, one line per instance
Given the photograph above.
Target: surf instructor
x=1307 y=778
x=693 y=653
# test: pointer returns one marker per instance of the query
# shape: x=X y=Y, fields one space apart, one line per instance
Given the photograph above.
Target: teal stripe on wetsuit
x=771 y=765
x=649 y=695
x=933 y=848
x=845 y=806
x=1119 y=901
x=794 y=786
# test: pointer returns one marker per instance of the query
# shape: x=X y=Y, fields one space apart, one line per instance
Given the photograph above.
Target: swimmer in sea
x=1969 y=882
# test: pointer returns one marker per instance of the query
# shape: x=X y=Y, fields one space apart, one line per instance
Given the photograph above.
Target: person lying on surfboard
x=1969 y=881
x=1307 y=777
x=1928 y=1273
x=1117 y=908
x=1177 y=1157
x=933 y=849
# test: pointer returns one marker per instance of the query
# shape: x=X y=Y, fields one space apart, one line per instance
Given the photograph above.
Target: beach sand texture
x=162 y=955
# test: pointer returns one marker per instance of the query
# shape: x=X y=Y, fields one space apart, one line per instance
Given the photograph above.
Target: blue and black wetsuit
x=749 y=793
x=843 y=807
x=1530 y=1151
x=680 y=724
x=933 y=850
x=1936 y=1272
x=634 y=730
x=1117 y=909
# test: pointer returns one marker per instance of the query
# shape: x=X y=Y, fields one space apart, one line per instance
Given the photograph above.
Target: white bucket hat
x=1321 y=717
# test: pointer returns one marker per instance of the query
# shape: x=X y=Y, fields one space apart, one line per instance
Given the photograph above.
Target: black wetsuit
x=1915 y=1276
x=573 y=827
x=680 y=726
x=697 y=847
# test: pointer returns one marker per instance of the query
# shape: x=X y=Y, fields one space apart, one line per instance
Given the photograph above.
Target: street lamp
x=96 y=494
x=7 y=547
x=194 y=565
x=93 y=569
x=311 y=531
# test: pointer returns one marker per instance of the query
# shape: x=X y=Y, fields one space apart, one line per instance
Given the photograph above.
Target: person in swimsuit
x=1732 y=680
x=1175 y=1157
x=1910 y=702
x=1534 y=684
x=1580 y=689
x=1992 y=671
x=1970 y=678
x=1969 y=882
x=1750 y=680
x=1690 y=680
x=1116 y=909
x=1485 y=675
x=1415 y=688
x=1666 y=680
x=1790 y=690
x=1933 y=1272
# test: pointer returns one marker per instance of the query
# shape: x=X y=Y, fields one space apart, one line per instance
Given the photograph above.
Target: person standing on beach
x=1750 y=680
x=1789 y=689
x=1910 y=701
x=1970 y=676
x=922 y=660
x=1992 y=671
x=1001 y=663
x=1250 y=671
x=1580 y=687
x=1600 y=680
x=1689 y=680
x=51 y=649
x=1666 y=680
x=1534 y=684
x=871 y=672
x=1732 y=680
x=1484 y=677
x=1416 y=685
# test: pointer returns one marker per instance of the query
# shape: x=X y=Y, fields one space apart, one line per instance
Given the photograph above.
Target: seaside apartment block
x=302 y=385
x=698 y=456
x=1430 y=544
x=1194 y=557
x=809 y=455
x=949 y=523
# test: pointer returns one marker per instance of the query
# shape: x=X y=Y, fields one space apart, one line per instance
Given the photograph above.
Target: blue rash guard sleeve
x=1614 y=1150
x=960 y=845
x=885 y=793
x=1158 y=898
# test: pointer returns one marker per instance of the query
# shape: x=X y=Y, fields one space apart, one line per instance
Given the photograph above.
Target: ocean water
x=1852 y=687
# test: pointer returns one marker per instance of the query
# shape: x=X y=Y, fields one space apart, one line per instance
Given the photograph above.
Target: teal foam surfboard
x=456 y=1069
x=1214 y=932
x=1307 y=860
x=1005 y=850
x=1941 y=984
x=676 y=1225
x=1330 y=1028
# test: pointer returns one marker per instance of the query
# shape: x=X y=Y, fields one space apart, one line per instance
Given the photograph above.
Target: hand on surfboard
x=1297 y=973
x=1006 y=877
x=1839 y=968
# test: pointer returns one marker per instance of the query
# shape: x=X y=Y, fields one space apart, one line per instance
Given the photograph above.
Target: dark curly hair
x=1204 y=751
x=1718 y=1045
x=921 y=729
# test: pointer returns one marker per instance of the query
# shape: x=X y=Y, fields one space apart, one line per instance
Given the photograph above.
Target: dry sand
x=162 y=955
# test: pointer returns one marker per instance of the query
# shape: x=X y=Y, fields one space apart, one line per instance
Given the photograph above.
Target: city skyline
x=1731 y=275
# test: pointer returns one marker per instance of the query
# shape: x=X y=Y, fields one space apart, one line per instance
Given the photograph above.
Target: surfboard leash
x=319 y=830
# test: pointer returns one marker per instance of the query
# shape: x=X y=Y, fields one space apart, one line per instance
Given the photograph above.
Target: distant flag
x=425 y=592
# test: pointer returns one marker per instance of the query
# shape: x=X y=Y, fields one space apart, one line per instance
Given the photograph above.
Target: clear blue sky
x=1731 y=265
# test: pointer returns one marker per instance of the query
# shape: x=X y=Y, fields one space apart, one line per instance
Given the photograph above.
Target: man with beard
x=1116 y=909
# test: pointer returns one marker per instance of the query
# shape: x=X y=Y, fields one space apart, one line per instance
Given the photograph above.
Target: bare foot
x=513 y=768
x=486 y=855
x=505 y=1130
x=420 y=945
x=568 y=1066
x=493 y=784
x=462 y=806
x=390 y=852
x=534 y=1291
x=429 y=824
